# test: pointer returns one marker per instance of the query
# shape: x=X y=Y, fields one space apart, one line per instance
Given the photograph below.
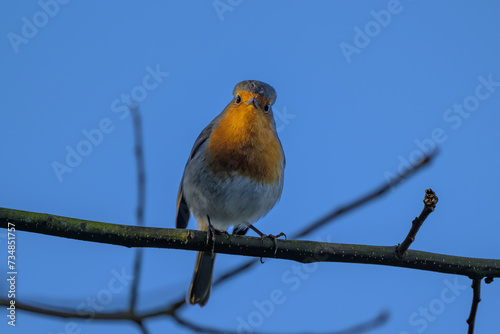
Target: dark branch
x=141 y=201
x=143 y=328
x=359 y=328
x=68 y=313
x=363 y=200
x=430 y=202
x=138 y=319
x=296 y=250
x=476 y=298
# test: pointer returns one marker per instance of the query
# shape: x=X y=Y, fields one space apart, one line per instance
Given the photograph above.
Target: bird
x=234 y=174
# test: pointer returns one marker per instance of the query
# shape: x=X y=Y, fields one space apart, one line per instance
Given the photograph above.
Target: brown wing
x=182 y=219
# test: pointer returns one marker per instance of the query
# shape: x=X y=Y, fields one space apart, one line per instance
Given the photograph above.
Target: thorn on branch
x=476 y=298
x=430 y=201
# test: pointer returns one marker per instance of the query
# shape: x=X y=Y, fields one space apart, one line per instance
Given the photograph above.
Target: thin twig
x=141 y=326
x=70 y=313
x=476 y=298
x=138 y=319
x=378 y=321
x=430 y=202
x=141 y=200
x=63 y=312
x=363 y=200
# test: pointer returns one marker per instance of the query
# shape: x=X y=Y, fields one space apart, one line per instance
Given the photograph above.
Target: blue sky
x=362 y=88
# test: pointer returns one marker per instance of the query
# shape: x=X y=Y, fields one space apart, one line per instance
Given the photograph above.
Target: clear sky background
x=352 y=108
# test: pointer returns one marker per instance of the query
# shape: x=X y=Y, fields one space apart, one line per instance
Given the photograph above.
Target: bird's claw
x=275 y=237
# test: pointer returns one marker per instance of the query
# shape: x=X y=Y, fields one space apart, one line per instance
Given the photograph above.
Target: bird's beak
x=254 y=101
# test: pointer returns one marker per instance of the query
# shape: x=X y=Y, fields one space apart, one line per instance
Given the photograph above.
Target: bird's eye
x=238 y=99
x=267 y=107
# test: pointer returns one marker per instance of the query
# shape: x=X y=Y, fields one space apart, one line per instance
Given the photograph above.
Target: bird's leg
x=211 y=235
x=272 y=236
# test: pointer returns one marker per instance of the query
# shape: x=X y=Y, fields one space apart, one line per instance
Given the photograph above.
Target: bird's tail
x=199 y=290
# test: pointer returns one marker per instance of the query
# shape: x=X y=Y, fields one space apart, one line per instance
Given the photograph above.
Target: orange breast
x=244 y=142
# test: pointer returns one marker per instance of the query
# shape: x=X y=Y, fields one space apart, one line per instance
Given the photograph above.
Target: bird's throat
x=244 y=142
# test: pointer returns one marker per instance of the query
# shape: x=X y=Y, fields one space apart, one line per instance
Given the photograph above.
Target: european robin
x=234 y=174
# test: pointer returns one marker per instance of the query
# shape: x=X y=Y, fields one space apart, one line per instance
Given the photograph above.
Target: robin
x=234 y=174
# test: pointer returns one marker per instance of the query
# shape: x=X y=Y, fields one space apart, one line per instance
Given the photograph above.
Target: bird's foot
x=211 y=235
x=272 y=236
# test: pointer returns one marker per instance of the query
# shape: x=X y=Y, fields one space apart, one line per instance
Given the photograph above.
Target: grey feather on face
x=256 y=87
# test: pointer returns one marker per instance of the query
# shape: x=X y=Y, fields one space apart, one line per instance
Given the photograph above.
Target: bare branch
x=476 y=298
x=365 y=199
x=143 y=328
x=68 y=313
x=296 y=250
x=378 y=321
x=430 y=202
x=141 y=201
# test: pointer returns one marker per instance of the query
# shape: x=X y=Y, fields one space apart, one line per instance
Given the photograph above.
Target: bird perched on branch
x=234 y=174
